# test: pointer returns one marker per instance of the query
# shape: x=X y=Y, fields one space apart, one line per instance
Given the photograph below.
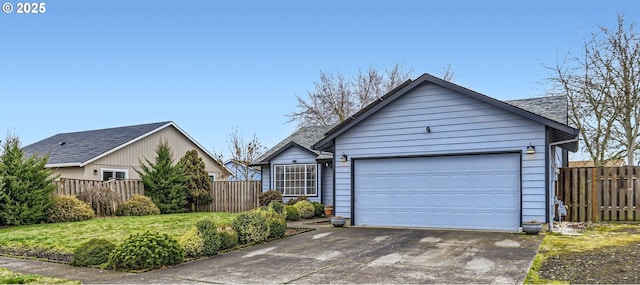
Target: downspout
x=555 y=174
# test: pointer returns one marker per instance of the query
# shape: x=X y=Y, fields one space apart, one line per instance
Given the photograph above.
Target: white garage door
x=463 y=192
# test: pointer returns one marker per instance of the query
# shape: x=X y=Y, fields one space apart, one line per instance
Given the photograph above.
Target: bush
x=292 y=202
x=277 y=224
x=138 y=205
x=251 y=227
x=270 y=196
x=228 y=236
x=318 y=208
x=102 y=200
x=305 y=209
x=291 y=213
x=192 y=243
x=208 y=230
x=93 y=252
x=146 y=251
x=68 y=209
x=278 y=207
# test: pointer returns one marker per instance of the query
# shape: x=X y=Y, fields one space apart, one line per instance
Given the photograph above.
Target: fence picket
x=228 y=196
x=600 y=193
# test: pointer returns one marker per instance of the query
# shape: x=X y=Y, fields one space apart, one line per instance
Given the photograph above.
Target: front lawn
x=10 y=277
x=65 y=237
x=601 y=253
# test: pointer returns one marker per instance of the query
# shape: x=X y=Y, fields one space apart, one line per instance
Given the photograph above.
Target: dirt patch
x=608 y=265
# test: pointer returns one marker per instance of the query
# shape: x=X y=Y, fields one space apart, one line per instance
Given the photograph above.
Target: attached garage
x=462 y=191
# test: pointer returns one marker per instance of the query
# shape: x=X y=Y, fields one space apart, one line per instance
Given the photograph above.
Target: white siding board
x=459 y=124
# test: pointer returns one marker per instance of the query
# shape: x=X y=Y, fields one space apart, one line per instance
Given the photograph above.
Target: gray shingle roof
x=550 y=107
x=80 y=147
x=304 y=136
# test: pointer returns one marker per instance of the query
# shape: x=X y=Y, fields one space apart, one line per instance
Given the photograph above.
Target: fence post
x=594 y=197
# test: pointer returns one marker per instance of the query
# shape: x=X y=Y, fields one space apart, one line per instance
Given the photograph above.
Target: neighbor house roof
x=560 y=130
x=82 y=148
x=303 y=137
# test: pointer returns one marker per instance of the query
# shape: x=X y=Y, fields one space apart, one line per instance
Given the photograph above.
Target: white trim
x=103 y=170
x=306 y=193
x=72 y=164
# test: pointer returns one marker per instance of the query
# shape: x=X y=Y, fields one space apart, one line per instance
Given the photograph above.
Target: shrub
x=228 y=236
x=277 y=207
x=146 y=251
x=270 y=196
x=192 y=243
x=138 y=205
x=208 y=230
x=305 y=209
x=277 y=224
x=293 y=201
x=102 y=200
x=93 y=252
x=251 y=227
x=68 y=209
x=318 y=208
x=291 y=213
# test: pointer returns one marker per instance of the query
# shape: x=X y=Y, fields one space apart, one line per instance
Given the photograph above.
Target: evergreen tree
x=197 y=184
x=26 y=186
x=164 y=181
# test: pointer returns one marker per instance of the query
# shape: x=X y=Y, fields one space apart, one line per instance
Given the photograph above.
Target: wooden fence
x=126 y=188
x=600 y=193
x=233 y=196
x=228 y=196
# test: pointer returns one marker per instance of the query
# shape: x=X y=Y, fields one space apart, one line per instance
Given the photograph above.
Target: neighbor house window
x=212 y=177
x=295 y=179
x=108 y=174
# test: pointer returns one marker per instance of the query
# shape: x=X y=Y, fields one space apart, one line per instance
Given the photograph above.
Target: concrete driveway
x=364 y=255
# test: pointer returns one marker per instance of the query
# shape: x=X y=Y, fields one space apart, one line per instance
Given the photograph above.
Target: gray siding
x=459 y=124
x=266 y=178
x=301 y=157
x=327 y=185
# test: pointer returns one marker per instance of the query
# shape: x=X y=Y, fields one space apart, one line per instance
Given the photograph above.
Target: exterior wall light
x=531 y=149
x=343 y=157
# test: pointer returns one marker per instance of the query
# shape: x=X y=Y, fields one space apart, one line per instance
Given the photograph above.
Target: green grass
x=598 y=236
x=10 y=277
x=65 y=237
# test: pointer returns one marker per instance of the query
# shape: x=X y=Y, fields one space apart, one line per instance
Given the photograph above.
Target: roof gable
x=304 y=138
x=81 y=148
x=561 y=131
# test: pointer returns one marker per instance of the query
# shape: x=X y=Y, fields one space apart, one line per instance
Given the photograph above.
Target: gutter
x=550 y=229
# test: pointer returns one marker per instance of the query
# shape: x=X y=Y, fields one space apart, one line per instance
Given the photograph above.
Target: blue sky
x=213 y=65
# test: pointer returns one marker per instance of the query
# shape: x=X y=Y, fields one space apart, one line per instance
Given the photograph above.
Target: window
x=108 y=174
x=212 y=177
x=295 y=179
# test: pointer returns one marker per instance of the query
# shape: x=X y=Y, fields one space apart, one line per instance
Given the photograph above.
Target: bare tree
x=336 y=97
x=243 y=153
x=603 y=90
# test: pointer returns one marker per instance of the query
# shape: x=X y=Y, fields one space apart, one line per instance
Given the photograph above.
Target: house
x=242 y=172
x=432 y=154
x=295 y=169
x=116 y=152
x=590 y=163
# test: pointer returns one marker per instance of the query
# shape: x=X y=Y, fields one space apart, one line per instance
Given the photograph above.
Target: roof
x=552 y=107
x=561 y=132
x=590 y=163
x=82 y=148
x=303 y=137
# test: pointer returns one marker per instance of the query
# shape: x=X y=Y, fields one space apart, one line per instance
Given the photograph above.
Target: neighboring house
x=116 y=152
x=589 y=163
x=432 y=154
x=242 y=172
x=295 y=169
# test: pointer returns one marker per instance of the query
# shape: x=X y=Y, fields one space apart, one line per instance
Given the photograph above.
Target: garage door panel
x=470 y=192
